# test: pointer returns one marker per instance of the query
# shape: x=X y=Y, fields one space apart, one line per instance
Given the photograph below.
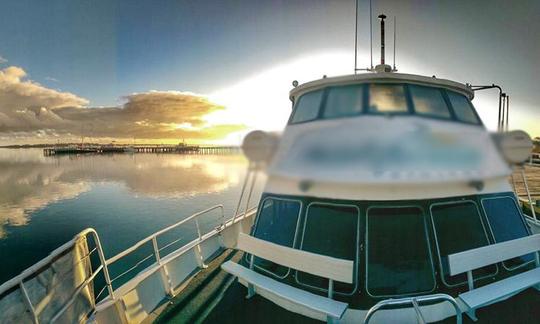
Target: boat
x=130 y=149
x=73 y=149
x=386 y=201
x=112 y=148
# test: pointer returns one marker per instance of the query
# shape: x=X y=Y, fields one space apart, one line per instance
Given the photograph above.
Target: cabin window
x=330 y=230
x=429 y=101
x=307 y=107
x=462 y=108
x=277 y=223
x=387 y=99
x=398 y=257
x=344 y=101
x=458 y=227
x=506 y=224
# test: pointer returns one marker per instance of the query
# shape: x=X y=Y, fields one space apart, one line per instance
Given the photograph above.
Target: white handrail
x=166 y=229
x=414 y=301
x=103 y=267
x=524 y=177
x=19 y=280
x=48 y=259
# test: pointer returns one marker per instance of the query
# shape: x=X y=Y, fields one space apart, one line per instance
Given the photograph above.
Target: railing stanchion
x=156 y=249
x=253 y=179
x=105 y=265
x=246 y=179
x=28 y=303
x=524 y=177
x=164 y=275
x=198 y=250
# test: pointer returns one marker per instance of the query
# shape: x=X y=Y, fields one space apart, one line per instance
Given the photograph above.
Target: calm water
x=45 y=201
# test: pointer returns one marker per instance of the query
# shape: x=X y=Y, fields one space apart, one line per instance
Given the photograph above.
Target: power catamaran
x=386 y=200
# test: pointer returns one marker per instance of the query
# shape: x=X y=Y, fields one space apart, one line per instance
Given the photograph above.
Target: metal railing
x=414 y=301
x=523 y=175
x=29 y=272
x=156 y=249
x=104 y=263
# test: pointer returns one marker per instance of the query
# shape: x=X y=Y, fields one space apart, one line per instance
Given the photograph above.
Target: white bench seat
x=500 y=290
x=312 y=303
x=469 y=260
x=293 y=299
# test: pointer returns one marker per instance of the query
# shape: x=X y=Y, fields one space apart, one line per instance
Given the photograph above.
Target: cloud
x=17 y=94
x=30 y=110
x=3 y=60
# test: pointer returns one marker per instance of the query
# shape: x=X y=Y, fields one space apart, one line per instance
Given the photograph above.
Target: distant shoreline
x=79 y=144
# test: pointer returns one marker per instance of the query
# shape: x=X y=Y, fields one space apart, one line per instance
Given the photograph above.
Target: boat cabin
x=395 y=173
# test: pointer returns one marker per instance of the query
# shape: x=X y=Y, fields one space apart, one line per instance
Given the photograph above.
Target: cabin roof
x=381 y=78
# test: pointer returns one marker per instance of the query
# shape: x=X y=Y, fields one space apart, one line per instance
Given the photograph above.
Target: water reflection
x=30 y=181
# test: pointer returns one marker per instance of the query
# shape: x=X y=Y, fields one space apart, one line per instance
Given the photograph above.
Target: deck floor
x=533 y=180
x=215 y=297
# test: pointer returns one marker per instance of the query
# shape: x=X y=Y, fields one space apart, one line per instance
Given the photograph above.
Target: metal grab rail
x=154 y=236
x=19 y=280
x=414 y=301
x=156 y=249
x=524 y=178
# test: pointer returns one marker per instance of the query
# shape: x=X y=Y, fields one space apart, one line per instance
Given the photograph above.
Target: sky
x=209 y=71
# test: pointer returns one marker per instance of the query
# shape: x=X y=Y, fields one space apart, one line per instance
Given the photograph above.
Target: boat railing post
x=103 y=261
x=246 y=179
x=222 y=216
x=419 y=315
x=198 y=249
x=251 y=288
x=524 y=177
x=164 y=275
x=253 y=179
x=28 y=302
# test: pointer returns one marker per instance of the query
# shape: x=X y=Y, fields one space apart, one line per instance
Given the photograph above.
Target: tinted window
x=398 y=257
x=276 y=223
x=387 y=98
x=330 y=230
x=344 y=101
x=462 y=108
x=429 y=101
x=458 y=228
x=307 y=107
x=506 y=224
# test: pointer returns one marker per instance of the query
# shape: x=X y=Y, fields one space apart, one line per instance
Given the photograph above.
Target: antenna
x=382 y=17
x=370 y=35
x=394 y=68
x=356 y=38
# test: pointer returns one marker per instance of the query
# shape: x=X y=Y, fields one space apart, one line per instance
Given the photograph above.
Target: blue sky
x=104 y=50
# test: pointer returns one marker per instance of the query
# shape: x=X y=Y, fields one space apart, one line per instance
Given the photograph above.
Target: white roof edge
x=382 y=77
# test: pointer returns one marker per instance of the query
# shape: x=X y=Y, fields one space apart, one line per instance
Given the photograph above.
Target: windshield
x=384 y=98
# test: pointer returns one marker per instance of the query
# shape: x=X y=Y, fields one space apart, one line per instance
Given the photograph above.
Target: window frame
x=469 y=103
x=328 y=89
x=455 y=202
x=254 y=228
x=408 y=109
x=525 y=264
x=322 y=104
x=357 y=254
x=451 y=115
x=429 y=250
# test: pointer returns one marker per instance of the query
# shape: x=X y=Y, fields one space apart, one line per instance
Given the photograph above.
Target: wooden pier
x=159 y=149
